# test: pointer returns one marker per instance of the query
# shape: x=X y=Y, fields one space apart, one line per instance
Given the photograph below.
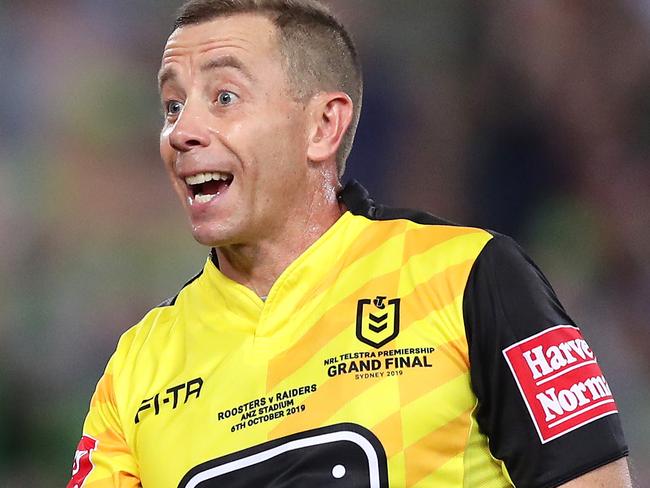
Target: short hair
x=317 y=51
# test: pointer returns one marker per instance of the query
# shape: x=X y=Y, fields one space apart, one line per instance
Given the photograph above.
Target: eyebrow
x=169 y=74
x=165 y=76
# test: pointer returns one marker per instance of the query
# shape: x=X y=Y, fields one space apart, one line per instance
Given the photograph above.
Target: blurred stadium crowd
x=529 y=118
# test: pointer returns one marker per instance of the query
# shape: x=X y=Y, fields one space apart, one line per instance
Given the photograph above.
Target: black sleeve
x=527 y=357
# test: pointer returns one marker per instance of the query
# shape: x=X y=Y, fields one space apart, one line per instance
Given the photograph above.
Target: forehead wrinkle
x=225 y=42
x=175 y=53
x=176 y=48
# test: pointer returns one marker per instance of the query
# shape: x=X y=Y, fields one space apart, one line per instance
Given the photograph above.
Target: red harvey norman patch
x=560 y=380
x=83 y=465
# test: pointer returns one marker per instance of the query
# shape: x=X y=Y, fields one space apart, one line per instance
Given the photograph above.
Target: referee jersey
x=398 y=350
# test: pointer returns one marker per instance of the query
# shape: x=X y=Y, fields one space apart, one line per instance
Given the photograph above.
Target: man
x=331 y=341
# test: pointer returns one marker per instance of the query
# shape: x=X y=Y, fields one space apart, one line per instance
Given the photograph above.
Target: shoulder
x=422 y=230
x=147 y=339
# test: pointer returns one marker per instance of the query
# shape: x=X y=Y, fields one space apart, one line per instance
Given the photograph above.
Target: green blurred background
x=529 y=117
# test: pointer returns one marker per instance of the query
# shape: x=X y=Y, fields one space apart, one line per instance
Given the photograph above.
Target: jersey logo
x=170 y=398
x=82 y=465
x=337 y=456
x=560 y=381
x=377 y=320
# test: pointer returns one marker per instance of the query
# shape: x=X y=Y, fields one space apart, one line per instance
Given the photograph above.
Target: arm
x=612 y=475
x=103 y=458
x=544 y=404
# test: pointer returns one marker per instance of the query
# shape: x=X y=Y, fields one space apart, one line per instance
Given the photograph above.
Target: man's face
x=234 y=140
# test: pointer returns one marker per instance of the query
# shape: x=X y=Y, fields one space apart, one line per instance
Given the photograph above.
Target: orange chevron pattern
x=104 y=390
x=435 y=449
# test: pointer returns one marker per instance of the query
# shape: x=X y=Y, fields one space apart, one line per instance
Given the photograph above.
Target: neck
x=257 y=265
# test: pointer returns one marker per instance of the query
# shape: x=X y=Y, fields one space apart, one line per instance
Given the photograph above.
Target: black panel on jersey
x=341 y=455
x=508 y=299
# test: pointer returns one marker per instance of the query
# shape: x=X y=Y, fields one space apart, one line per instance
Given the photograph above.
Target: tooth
x=204 y=177
x=195 y=180
x=203 y=198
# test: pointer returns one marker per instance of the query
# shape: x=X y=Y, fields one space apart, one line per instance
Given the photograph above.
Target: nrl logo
x=377 y=320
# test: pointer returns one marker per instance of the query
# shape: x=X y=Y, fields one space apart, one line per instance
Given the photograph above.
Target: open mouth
x=206 y=186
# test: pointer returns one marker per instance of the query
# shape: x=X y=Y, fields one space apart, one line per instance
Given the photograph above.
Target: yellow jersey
x=398 y=350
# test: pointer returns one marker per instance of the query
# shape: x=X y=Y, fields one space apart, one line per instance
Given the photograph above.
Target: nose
x=190 y=129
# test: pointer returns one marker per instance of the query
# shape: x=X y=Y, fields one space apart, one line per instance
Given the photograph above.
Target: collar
x=357 y=199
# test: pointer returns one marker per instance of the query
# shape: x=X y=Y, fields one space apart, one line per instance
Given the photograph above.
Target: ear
x=330 y=117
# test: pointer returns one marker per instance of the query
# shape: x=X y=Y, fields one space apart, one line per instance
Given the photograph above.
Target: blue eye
x=226 y=98
x=174 y=107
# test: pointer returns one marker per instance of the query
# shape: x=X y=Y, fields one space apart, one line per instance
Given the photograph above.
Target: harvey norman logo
x=560 y=380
